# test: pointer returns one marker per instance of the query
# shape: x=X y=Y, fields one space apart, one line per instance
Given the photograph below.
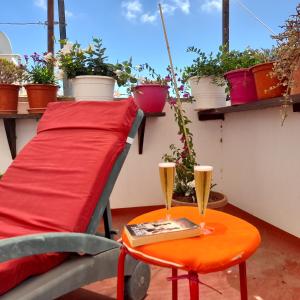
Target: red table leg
x=121 y=270
x=194 y=285
x=174 y=285
x=243 y=281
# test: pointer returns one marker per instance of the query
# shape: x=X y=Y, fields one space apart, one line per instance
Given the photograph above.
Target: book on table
x=163 y=230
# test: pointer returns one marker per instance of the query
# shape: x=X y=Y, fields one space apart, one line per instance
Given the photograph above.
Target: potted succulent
x=184 y=158
x=287 y=65
x=10 y=74
x=41 y=87
x=92 y=77
x=205 y=77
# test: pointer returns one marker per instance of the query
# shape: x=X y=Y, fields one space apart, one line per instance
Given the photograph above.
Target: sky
x=132 y=28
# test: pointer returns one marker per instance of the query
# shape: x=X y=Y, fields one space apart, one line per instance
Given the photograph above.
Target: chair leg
x=121 y=270
x=174 y=285
x=243 y=280
x=194 y=285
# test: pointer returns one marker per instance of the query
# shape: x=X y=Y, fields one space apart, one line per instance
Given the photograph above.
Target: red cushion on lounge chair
x=55 y=182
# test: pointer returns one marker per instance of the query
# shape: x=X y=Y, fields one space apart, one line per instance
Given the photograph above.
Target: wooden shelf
x=9 y=121
x=10 y=128
x=142 y=127
x=219 y=113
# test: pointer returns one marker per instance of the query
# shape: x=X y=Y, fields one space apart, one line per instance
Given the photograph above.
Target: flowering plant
x=41 y=71
x=9 y=72
x=75 y=61
x=185 y=156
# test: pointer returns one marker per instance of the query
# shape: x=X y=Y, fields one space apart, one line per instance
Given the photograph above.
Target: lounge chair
x=53 y=196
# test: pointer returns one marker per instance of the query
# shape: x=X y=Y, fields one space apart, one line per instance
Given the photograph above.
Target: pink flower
x=186 y=95
x=181 y=88
x=172 y=101
x=167 y=78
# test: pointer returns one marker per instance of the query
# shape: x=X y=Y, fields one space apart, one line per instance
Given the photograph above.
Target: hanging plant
x=288 y=57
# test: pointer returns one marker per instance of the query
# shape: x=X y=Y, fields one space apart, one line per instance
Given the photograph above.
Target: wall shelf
x=9 y=121
x=219 y=113
x=142 y=127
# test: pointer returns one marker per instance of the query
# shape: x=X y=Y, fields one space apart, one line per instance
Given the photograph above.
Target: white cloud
x=132 y=9
x=212 y=5
x=41 y=4
x=168 y=8
x=147 y=18
x=69 y=14
x=183 y=5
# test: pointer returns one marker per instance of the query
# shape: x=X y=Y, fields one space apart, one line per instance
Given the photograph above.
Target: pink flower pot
x=151 y=98
x=242 y=86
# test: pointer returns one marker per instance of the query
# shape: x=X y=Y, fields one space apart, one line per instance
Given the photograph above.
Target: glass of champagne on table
x=203 y=178
x=167 y=175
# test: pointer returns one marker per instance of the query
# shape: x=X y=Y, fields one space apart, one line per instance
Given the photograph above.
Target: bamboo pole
x=178 y=101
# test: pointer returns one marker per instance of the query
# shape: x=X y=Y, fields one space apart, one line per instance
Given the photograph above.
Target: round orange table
x=231 y=242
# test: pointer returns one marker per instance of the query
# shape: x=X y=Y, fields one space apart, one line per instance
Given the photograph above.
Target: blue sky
x=133 y=28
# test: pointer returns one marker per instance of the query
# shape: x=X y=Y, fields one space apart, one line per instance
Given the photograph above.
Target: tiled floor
x=273 y=272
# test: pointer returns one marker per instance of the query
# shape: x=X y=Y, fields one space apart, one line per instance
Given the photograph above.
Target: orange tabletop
x=232 y=242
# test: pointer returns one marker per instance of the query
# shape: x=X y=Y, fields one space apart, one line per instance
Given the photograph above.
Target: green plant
x=216 y=65
x=185 y=156
x=9 y=72
x=204 y=65
x=41 y=71
x=288 y=56
x=75 y=61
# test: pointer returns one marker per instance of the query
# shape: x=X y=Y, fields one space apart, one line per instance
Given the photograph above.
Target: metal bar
x=174 y=284
x=225 y=24
x=50 y=25
x=141 y=134
x=121 y=270
x=10 y=129
x=109 y=231
x=243 y=281
x=194 y=285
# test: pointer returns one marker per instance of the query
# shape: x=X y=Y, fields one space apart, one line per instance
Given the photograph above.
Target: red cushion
x=55 y=182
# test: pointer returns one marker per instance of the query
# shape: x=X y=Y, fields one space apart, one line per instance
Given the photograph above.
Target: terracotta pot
x=264 y=81
x=9 y=94
x=151 y=98
x=296 y=85
x=216 y=201
x=39 y=95
x=242 y=86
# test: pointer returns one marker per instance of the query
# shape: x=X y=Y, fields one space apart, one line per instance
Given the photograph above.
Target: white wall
x=257 y=166
x=262 y=166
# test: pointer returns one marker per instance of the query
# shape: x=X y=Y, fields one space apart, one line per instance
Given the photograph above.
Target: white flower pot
x=93 y=87
x=206 y=93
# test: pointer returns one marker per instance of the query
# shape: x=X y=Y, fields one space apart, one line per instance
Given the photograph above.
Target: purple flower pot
x=242 y=86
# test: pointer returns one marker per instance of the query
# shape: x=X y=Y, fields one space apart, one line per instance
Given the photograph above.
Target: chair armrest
x=28 y=245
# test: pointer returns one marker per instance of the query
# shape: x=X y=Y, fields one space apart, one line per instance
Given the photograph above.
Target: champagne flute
x=203 y=177
x=167 y=174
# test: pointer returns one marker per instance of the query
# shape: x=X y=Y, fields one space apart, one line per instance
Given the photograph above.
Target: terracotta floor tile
x=273 y=271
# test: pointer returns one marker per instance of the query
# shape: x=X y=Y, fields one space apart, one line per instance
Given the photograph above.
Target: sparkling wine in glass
x=167 y=174
x=203 y=176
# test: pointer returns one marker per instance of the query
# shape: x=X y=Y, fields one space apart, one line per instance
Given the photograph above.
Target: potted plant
x=149 y=89
x=267 y=84
x=92 y=77
x=205 y=77
x=184 y=158
x=42 y=87
x=287 y=65
x=10 y=74
x=240 y=79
